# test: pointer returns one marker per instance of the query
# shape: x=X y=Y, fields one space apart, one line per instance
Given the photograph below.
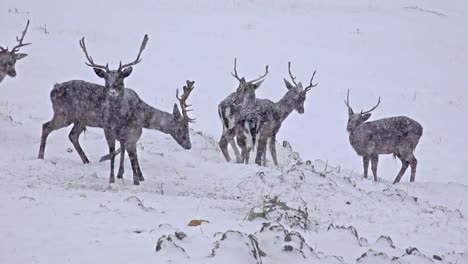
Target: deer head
x=356 y=119
x=114 y=79
x=246 y=89
x=296 y=94
x=180 y=128
x=8 y=58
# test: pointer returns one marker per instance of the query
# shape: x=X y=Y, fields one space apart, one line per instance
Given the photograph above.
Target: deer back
x=386 y=136
x=79 y=101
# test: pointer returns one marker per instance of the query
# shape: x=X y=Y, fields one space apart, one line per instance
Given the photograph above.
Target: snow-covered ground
x=411 y=53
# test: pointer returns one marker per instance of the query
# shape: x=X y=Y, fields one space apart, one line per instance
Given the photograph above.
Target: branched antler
x=293 y=79
x=261 y=77
x=20 y=40
x=350 y=110
x=183 y=100
x=138 y=59
x=372 y=109
x=239 y=79
x=311 y=85
x=235 y=70
x=90 y=62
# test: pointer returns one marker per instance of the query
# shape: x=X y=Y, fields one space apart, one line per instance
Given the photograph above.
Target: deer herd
x=248 y=122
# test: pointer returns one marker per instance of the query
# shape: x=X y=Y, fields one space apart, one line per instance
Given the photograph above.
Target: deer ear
x=257 y=84
x=288 y=84
x=366 y=116
x=19 y=56
x=126 y=72
x=176 y=112
x=99 y=72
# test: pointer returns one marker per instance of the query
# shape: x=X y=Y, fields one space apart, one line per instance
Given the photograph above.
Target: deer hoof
x=136 y=182
x=111 y=180
x=140 y=178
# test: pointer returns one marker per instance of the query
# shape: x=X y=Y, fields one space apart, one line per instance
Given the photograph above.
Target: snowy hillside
x=314 y=208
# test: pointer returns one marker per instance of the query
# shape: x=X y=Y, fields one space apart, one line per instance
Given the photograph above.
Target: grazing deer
x=175 y=124
x=394 y=135
x=263 y=119
x=229 y=110
x=8 y=58
x=81 y=103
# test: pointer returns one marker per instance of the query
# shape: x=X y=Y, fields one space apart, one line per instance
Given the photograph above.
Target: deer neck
x=158 y=120
x=283 y=108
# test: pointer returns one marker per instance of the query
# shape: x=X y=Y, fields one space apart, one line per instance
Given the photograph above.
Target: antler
x=293 y=79
x=311 y=85
x=183 y=100
x=261 y=77
x=20 y=40
x=137 y=60
x=372 y=109
x=90 y=62
x=347 y=103
x=235 y=70
x=239 y=79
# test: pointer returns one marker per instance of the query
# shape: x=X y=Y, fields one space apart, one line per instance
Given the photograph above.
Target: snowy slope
x=60 y=210
x=412 y=53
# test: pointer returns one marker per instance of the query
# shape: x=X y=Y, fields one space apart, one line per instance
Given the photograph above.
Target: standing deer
x=394 y=135
x=121 y=119
x=8 y=58
x=263 y=119
x=229 y=110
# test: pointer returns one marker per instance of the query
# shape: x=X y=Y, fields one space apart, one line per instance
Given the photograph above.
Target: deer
x=263 y=120
x=229 y=110
x=82 y=103
x=397 y=135
x=8 y=58
x=120 y=113
x=175 y=124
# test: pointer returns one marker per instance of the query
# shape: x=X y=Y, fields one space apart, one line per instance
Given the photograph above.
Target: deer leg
x=404 y=166
x=264 y=157
x=261 y=147
x=223 y=144
x=110 y=138
x=272 y=146
x=122 y=162
x=413 y=162
x=241 y=141
x=74 y=137
x=57 y=122
x=132 y=154
x=236 y=151
x=365 y=162
x=374 y=163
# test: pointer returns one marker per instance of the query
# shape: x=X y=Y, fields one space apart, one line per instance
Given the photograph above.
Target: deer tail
x=56 y=92
x=223 y=116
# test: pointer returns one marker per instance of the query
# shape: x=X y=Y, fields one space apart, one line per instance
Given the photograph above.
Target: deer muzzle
x=11 y=72
x=113 y=93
